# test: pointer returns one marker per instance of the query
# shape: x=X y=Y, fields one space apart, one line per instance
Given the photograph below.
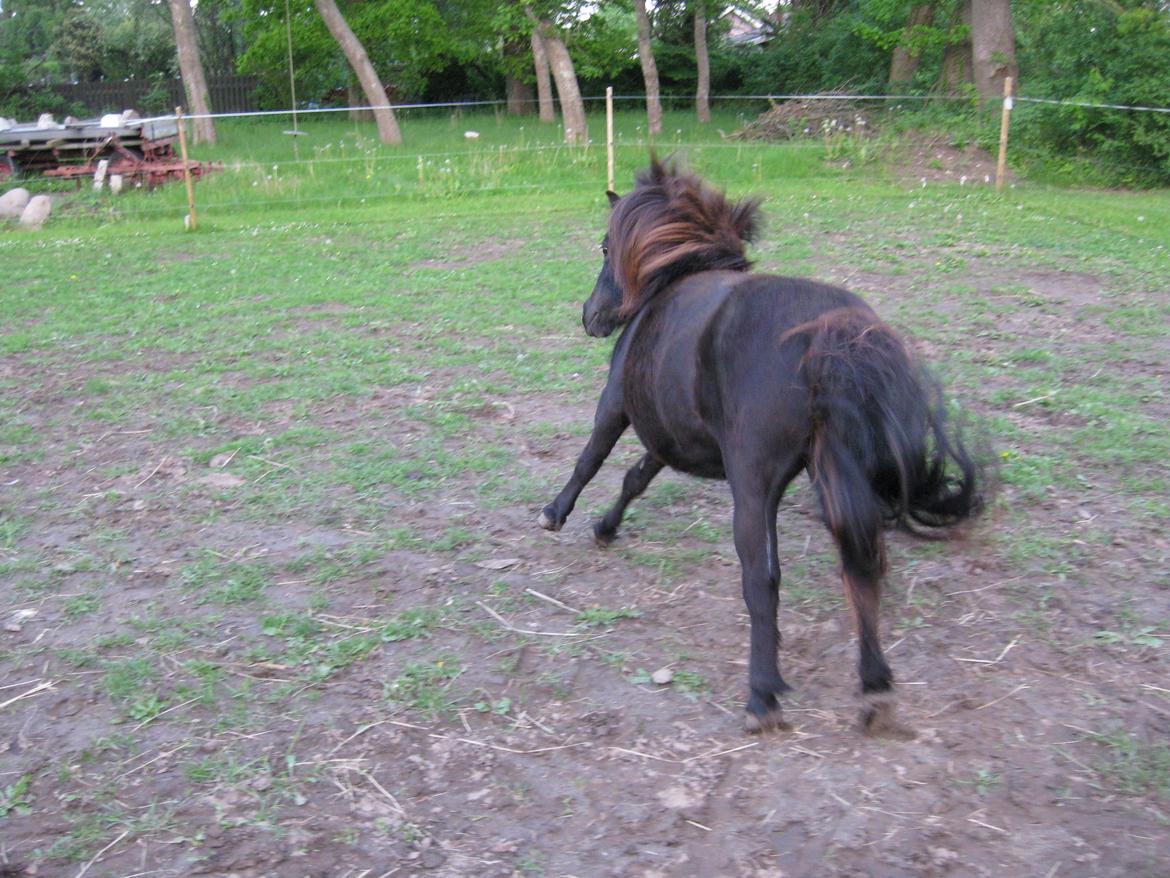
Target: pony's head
x=672 y=224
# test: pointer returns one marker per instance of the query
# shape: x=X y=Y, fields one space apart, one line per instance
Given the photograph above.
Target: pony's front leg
x=608 y=425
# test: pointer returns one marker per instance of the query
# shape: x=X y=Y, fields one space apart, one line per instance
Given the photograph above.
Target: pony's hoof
x=602 y=538
x=879 y=719
x=771 y=721
x=548 y=522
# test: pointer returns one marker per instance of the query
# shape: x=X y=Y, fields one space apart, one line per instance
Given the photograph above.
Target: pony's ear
x=660 y=169
x=612 y=196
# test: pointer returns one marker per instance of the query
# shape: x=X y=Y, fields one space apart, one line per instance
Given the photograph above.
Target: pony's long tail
x=882 y=452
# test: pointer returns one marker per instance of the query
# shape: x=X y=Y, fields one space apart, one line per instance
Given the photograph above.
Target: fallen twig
x=95 y=857
x=951 y=594
x=987 y=825
x=149 y=720
x=1032 y=400
x=710 y=755
x=1002 y=697
x=389 y=796
x=43 y=686
x=551 y=600
x=510 y=627
x=157 y=467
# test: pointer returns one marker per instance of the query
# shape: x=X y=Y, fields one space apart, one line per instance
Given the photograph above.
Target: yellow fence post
x=186 y=169
x=609 y=137
x=1005 y=119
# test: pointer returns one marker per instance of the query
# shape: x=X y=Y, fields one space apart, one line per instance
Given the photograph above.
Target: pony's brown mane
x=673 y=224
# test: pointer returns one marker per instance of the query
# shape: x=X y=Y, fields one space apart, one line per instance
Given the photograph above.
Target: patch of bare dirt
x=938 y=160
x=485 y=251
x=1030 y=672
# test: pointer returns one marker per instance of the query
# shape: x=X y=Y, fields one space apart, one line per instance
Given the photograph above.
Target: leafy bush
x=1104 y=54
x=810 y=55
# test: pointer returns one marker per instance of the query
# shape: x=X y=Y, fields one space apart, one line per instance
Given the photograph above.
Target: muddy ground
x=481 y=704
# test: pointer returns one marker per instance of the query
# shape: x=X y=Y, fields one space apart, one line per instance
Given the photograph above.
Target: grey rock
x=36 y=212
x=13 y=203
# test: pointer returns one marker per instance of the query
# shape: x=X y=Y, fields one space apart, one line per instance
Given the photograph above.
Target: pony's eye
x=604 y=251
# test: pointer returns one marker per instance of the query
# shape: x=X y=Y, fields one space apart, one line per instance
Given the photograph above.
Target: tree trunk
x=904 y=63
x=649 y=69
x=993 y=46
x=565 y=77
x=191 y=69
x=518 y=95
x=543 y=81
x=956 y=68
x=355 y=54
x=703 y=92
x=353 y=99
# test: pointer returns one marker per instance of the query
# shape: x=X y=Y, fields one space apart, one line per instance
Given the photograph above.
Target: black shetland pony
x=753 y=378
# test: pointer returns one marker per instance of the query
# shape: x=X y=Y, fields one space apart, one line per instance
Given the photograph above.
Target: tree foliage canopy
x=1100 y=51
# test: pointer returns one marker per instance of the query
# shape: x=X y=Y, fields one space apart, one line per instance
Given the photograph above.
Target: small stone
x=680 y=798
x=262 y=783
x=662 y=676
x=942 y=855
x=16 y=623
x=432 y=858
x=223 y=480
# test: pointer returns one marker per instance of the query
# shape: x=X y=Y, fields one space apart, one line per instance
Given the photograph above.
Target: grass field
x=275 y=602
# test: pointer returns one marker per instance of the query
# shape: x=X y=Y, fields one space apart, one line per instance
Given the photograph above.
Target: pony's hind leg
x=754 y=525
x=638 y=477
x=862 y=577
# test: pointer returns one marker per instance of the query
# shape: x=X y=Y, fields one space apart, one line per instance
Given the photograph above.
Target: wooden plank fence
x=229 y=94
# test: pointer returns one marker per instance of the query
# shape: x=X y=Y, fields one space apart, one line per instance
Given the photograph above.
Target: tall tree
x=79 y=45
x=565 y=77
x=956 y=69
x=543 y=78
x=517 y=92
x=191 y=69
x=517 y=96
x=993 y=46
x=221 y=33
x=908 y=51
x=649 y=69
x=703 y=63
x=355 y=54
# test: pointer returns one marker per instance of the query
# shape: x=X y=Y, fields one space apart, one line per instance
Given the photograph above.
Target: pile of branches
x=807 y=118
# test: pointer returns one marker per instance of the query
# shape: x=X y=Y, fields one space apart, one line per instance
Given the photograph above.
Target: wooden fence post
x=1005 y=119
x=609 y=137
x=190 y=222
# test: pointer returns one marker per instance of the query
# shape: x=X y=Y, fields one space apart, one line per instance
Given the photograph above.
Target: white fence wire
x=776 y=97
x=267 y=173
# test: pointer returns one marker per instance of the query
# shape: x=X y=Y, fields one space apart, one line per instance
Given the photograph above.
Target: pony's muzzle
x=595 y=323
